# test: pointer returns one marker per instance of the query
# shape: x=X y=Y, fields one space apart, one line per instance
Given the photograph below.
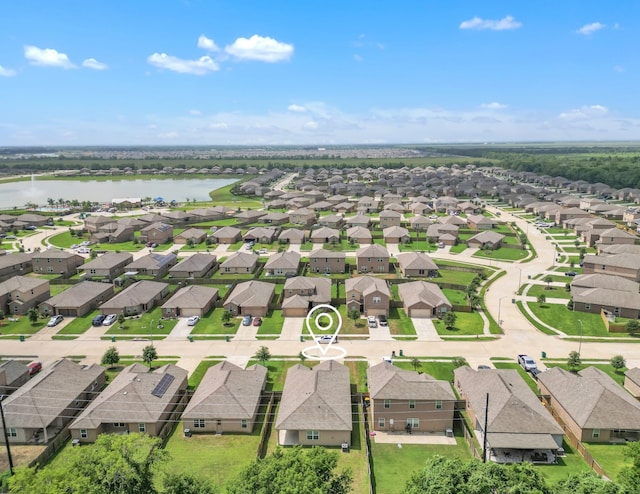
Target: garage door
x=420 y=313
x=294 y=312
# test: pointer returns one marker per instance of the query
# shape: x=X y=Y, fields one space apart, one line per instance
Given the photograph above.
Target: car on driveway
x=383 y=320
x=257 y=321
x=570 y=273
x=110 y=319
x=55 y=320
x=98 y=320
x=373 y=323
x=192 y=320
x=34 y=368
x=246 y=320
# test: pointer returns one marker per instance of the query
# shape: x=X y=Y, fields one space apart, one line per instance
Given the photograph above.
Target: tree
x=618 y=362
x=415 y=363
x=629 y=477
x=149 y=354
x=302 y=357
x=186 y=483
x=226 y=317
x=542 y=298
x=354 y=314
x=633 y=326
x=475 y=301
x=459 y=362
x=548 y=279
x=586 y=483
x=121 y=320
x=263 y=355
x=574 y=361
x=33 y=315
x=114 y=464
x=111 y=357
x=293 y=470
x=449 y=320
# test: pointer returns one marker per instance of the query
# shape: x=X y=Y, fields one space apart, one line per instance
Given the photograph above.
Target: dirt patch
x=22 y=455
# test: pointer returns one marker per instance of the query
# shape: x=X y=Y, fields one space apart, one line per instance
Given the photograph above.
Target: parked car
x=371 y=319
x=263 y=251
x=34 y=368
x=98 y=320
x=483 y=367
x=326 y=339
x=84 y=250
x=246 y=320
x=29 y=227
x=570 y=273
x=373 y=323
x=192 y=320
x=257 y=321
x=383 y=320
x=110 y=319
x=55 y=320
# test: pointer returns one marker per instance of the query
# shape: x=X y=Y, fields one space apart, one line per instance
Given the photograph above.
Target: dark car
x=383 y=320
x=98 y=320
x=570 y=273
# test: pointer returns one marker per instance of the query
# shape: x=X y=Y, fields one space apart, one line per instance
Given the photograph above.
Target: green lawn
x=417 y=246
x=456 y=297
x=272 y=323
x=467 y=323
x=79 y=324
x=278 y=371
x=400 y=323
x=57 y=289
x=212 y=323
x=571 y=463
x=358 y=374
x=553 y=292
x=438 y=370
x=454 y=277
x=224 y=197
x=21 y=326
x=147 y=324
x=197 y=375
x=456 y=249
x=558 y=316
x=356 y=459
x=503 y=254
x=610 y=456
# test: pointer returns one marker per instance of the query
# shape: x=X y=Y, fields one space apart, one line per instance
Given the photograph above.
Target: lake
x=38 y=191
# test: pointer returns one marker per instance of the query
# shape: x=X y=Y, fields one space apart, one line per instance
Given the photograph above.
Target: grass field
x=212 y=323
x=272 y=323
x=438 y=370
x=21 y=325
x=503 y=254
x=79 y=324
x=149 y=323
x=553 y=292
x=558 y=316
x=610 y=456
x=400 y=323
x=467 y=323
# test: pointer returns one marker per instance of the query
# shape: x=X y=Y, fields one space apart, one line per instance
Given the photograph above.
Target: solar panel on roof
x=162 y=386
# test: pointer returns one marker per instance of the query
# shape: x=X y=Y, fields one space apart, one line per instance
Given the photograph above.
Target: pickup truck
x=527 y=363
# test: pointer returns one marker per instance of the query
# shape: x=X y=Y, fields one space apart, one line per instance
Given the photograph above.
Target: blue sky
x=208 y=72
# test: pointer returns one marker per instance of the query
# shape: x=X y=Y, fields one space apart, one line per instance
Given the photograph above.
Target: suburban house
x=55 y=261
x=226 y=400
x=631 y=381
x=32 y=219
x=249 y=216
x=17 y=263
x=195 y=235
x=275 y=218
x=359 y=220
x=113 y=233
x=261 y=235
x=137 y=298
x=283 y=264
x=372 y=258
x=359 y=235
x=331 y=221
x=227 y=235
x=292 y=236
x=422 y=299
x=195 y=266
x=420 y=223
x=564 y=214
x=191 y=300
x=625 y=265
x=239 y=263
x=445 y=233
x=301 y=294
x=157 y=233
x=153 y=264
x=486 y=239
x=616 y=236
x=78 y=300
x=396 y=235
x=417 y=264
x=613 y=294
x=325 y=235
x=368 y=295
x=13 y=374
x=177 y=217
x=53 y=397
x=135 y=401
x=403 y=400
x=107 y=266
x=250 y=298
x=315 y=408
x=21 y=293
x=302 y=216
x=518 y=427
x=93 y=224
x=389 y=218
x=326 y=262
x=591 y=404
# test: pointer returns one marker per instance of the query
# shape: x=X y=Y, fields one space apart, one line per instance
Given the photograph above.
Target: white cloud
x=503 y=24
x=260 y=48
x=92 y=63
x=47 y=57
x=202 y=66
x=588 y=29
x=311 y=125
x=7 y=72
x=207 y=43
x=296 y=108
x=195 y=112
x=584 y=112
x=494 y=105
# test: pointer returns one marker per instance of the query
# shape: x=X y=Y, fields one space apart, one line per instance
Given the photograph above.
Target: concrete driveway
x=181 y=330
x=292 y=328
x=425 y=329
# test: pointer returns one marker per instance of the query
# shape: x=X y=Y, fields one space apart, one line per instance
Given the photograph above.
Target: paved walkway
x=425 y=329
x=381 y=333
x=246 y=333
x=292 y=328
x=400 y=438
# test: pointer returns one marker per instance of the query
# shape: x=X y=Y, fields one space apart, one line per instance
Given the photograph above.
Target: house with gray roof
x=420 y=223
x=302 y=216
x=616 y=236
x=327 y=262
x=78 y=300
x=613 y=294
x=227 y=235
x=283 y=264
x=325 y=235
x=368 y=295
x=93 y=224
x=135 y=401
x=195 y=235
x=486 y=239
x=423 y=299
x=359 y=220
x=359 y=235
x=250 y=297
x=417 y=264
x=292 y=236
x=396 y=235
x=624 y=265
x=197 y=265
x=239 y=263
x=591 y=404
x=21 y=293
x=157 y=233
x=275 y=218
x=106 y=266
x=13 y=374
x=315 y=408
x=519 y=428
x=389 y=218
x=480 y=222
x=56 y=261
x=191 y=300
x=226 y=400
x=153 y=264
x=331 y=221
x=52 y=398
x=372 y=258
x=17 y=263
x=302 y=293
x=260 y=234
x=137 y=298
x=249 y=216
x=407 y=400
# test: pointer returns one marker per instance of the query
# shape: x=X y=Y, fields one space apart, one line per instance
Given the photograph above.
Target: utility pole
x=6 y=438
x=486 y=425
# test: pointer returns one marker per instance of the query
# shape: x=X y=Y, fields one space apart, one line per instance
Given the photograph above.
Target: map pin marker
x=323 y=322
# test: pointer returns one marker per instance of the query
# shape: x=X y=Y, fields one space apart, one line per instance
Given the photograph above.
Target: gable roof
x=195 y=262
x=11 y=370
x=609 y=282
x=325 y=232
x=108 y=260
x=395 y=231
x=487 y=236
x=388 y=382
x=329 y=254
x=283 y=260
x=79 y=294
x=240 y=260
x=291 y=234
x=416 y=260
x=138 y=293
x=226 y=232
x=191 y=296
x=251 y=294
x=321 y=287
x=152 y=260
x=366 y=285
x=22 y=284
x=359 y=232
x=373 y=250
x=416 y=292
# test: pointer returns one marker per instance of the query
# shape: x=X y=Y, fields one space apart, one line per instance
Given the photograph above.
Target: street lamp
x=580 y=344
x=500 y=309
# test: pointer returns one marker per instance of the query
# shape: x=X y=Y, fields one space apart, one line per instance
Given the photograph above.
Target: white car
x=192 y=320
x=371 y=319
x=109 y=320
x=326 y=339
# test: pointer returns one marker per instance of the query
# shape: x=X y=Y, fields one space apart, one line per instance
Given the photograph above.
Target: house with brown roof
x=486 y=239
x=326 y=262
x=275 y=218
x=260 y=234
x=195 y=235
x=445 y=233
x=53 y=397
x=249 y=216
x=21 y=293
x=78 y=300
x=191 y=300
x=632 y=381
x=613 y=294
x=616 y=236
x=404 y=400
x=564 y=214
x=135 y=401
x=420 y=223
x=93 y=224
x=55 y=261
x=368 y=295
x=107 y=266
x=17 y=263
x=250 y=297
x=518 y=427
x=226 y=400
x=33 y=219
x=359 y=235
x=315 y=408
x=177 y=218
x=153 y=264
x=227 y=235
x=157 y=233
x=197 y=265
x=331 y=221
x=302 y=216
x=359 y=220
x=417 y=264
x=372 y=258
x=591 y=404
x=113 y=233
x=325 y=235
x=137 y=298
x=13 y=374
x=480 y=222
x=422 y=299
x=239 y=263
x=292 y=236
x=396 y=235
x=283 y=264
x=389 y=218
x=625 y=265
x=302 y=293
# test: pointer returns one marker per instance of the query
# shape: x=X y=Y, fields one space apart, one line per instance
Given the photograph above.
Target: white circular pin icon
x=320 y=320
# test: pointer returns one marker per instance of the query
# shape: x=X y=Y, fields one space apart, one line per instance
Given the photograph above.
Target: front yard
x=212 y=324
x=467 y=323
x=149 y=323
x=567 y=321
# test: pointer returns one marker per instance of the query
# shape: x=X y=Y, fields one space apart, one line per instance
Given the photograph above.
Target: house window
x=387 y=403
x=118 y=424
x=381 y=269
x=438 y=404
x=377 y=300
x=587 y=306
x=595 y=434
x=198 y=423
x=381 y=422
x=83 y=433
x=412 y=404
x=414 y=423
x=616 y=310
x=313 y=435
x=227 y=269
x=243 y=423
x=420 y=271
x=12 y=432
x=142 y=428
